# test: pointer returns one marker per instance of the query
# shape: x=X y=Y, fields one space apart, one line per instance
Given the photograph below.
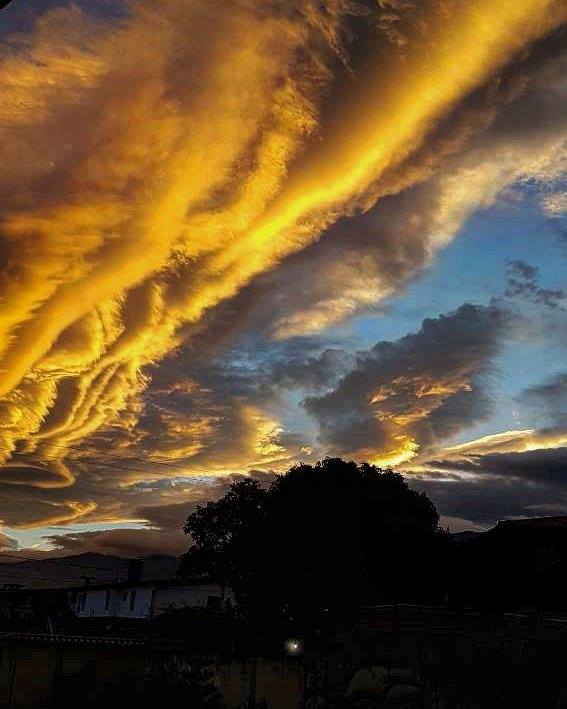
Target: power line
x=107 y=463
x=145 y=461
x=25 y=581
x=60 y=561
x=101 y=461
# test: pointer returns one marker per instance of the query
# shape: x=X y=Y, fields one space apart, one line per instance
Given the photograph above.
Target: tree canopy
x=319 y=538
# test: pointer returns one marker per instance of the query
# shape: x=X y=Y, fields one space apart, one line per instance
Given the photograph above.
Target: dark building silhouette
x=517 y=564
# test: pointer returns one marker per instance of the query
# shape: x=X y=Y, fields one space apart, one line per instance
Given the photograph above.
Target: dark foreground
x=393 y=656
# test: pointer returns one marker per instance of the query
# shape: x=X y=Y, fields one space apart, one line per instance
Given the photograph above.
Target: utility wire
x=169 y=464
x=25 y=581
x=61 y=562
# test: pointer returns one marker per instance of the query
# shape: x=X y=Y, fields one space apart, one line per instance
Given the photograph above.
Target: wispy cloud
x=178 y=174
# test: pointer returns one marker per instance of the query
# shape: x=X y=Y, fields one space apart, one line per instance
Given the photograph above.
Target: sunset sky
x=237 y=234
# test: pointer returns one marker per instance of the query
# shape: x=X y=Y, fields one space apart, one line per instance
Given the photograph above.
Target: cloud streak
x=405 y=395
x=149 y=181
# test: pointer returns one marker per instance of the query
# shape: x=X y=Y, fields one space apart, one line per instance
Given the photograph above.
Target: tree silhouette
x=224 y=535
x=320 y=541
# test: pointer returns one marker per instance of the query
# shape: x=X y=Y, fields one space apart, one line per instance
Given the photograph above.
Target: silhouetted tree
x=318 y=542
x=224 y=535
x=199 y=631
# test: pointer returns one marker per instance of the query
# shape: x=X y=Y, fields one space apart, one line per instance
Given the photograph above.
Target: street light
x=293 y=646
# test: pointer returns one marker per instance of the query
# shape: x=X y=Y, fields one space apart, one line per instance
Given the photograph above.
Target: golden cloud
x=153 y=165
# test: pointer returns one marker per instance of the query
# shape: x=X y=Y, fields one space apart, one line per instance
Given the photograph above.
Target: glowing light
x=293 y=646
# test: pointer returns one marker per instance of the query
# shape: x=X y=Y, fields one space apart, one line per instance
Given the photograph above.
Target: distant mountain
x=68 y=570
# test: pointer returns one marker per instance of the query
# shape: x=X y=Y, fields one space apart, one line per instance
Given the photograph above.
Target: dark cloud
x=422 y=388
x=220 y=406
x=487 y=501
x=121 y=542
x=547 y=401
x=20 y=15
x=484 y=488
x=493 y=138
x=523 y=283
x=164 y=534
x=214 y=402
x=546 y=467
x=167 y=517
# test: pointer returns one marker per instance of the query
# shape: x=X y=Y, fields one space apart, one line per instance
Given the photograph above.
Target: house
x=143 y=599
x=520 y=563
x=32 y=609
x=130 y=600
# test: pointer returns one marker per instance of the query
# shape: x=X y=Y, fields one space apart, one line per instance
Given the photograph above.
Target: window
x=132 y=599
x=82 y=601
x=107 y=600
x=125 y=596
x=214 y=602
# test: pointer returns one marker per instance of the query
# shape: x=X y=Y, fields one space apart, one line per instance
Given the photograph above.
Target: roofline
x=115 y=585
x=528 y=521
x=48 y=639
x=148 y=582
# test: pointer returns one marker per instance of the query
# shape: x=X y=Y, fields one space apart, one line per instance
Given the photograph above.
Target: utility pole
x=13 y=668
x=252 y=682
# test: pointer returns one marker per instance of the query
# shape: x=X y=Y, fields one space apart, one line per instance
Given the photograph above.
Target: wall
x=280 y=684
x=30 y=675
x=95 y=605
x=70 y=675
x=183 y=596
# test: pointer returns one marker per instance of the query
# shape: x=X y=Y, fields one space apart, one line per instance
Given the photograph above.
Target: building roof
x=559 y=522
x=536 y=531
x=55 y=572
x=118 y=585
x=159 y=583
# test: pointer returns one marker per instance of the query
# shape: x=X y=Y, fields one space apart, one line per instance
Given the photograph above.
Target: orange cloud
x=154 y=165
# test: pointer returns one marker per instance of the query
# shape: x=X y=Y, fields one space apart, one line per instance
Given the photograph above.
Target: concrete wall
x=30 y=675
x=74 y=675
x=280 y=684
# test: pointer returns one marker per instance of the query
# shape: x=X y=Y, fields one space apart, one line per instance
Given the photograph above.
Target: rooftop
x=559 y=522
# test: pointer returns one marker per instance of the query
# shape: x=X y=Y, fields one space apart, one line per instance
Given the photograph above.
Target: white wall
x=142 y=603
x=95 y=600
x=95 y=603
x=91 y=603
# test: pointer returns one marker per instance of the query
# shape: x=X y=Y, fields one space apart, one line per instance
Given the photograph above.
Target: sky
x=240 y=234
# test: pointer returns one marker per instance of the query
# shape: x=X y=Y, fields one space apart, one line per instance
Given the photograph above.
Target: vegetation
x=318 y=542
